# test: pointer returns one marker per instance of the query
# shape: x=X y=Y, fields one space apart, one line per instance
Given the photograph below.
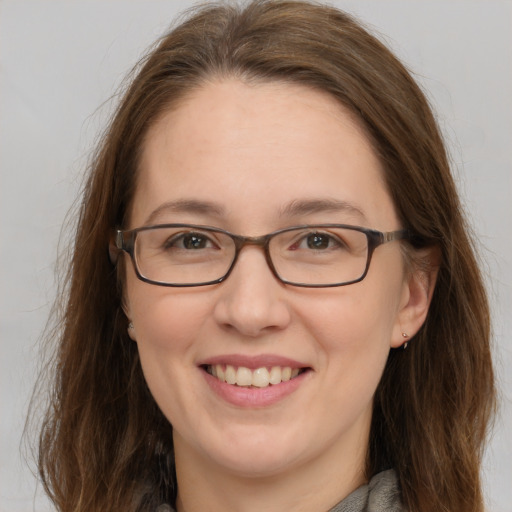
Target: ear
x=126 y=309
x=417 y=292
x=131 y=331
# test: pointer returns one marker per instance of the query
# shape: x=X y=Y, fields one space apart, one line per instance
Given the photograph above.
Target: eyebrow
x=297 y=207
x=186 y=206
x=309 y=206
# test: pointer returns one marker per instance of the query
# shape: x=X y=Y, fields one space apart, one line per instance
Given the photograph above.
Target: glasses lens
x=319 y=255
x=183 y=255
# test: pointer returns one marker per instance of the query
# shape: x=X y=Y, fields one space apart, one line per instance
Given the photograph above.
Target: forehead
x=252 y=149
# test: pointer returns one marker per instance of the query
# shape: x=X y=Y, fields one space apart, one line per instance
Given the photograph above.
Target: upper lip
x=253 y=362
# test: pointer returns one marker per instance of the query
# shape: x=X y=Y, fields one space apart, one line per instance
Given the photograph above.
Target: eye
x=318 y=241
x=190 y=241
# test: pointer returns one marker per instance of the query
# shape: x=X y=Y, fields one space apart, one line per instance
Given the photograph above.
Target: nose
x=252 y=301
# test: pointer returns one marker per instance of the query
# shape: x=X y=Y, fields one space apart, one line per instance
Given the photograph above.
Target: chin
x=257 y=464
x=256 y=452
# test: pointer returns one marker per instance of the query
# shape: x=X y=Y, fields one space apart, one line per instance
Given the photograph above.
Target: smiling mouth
x=258 y=378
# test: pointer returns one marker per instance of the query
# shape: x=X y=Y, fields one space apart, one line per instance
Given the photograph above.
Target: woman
x=273 y=300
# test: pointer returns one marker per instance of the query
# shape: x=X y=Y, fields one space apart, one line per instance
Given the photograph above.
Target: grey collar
x=381 y=494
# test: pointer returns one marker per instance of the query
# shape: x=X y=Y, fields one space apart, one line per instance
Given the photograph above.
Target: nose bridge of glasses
x=258 y=241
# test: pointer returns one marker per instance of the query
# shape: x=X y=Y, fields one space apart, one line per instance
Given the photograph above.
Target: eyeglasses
x=312 y=256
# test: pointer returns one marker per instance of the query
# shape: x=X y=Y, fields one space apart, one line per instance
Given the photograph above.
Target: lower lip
x=252 y=397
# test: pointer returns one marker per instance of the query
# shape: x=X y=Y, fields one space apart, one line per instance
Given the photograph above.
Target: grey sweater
x=381 y=494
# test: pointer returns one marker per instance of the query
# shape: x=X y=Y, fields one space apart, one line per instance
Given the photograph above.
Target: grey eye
x=318 y=241
x=194 y=241
x=190 y=241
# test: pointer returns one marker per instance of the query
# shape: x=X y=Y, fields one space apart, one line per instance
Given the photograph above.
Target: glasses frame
x=124 y=240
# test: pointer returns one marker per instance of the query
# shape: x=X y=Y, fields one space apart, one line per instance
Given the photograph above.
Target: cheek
x=353 y=328
x=351 y=321
x=169 y=334
x=166 y=320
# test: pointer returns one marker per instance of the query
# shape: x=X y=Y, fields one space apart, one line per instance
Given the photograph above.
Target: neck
x=316 y=484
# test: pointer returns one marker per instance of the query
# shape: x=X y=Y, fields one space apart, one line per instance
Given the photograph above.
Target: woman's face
x=252 y=159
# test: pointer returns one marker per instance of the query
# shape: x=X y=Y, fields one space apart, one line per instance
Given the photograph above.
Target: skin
x=253 y=149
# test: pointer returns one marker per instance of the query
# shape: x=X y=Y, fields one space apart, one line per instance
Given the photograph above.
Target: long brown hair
x=105 y=445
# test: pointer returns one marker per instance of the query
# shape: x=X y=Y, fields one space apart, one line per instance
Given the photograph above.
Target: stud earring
x=405 y=336
x=130 y=326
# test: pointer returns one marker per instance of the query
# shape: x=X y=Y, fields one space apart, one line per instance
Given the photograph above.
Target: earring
x=130 y=325
x=405 y=336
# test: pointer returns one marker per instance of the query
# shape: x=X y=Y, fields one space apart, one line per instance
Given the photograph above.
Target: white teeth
x=260 y=377
x=275 y=375
x=230 y=375
x=243 y=376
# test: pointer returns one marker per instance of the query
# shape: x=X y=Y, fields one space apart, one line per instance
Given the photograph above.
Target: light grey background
x=61 y=60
